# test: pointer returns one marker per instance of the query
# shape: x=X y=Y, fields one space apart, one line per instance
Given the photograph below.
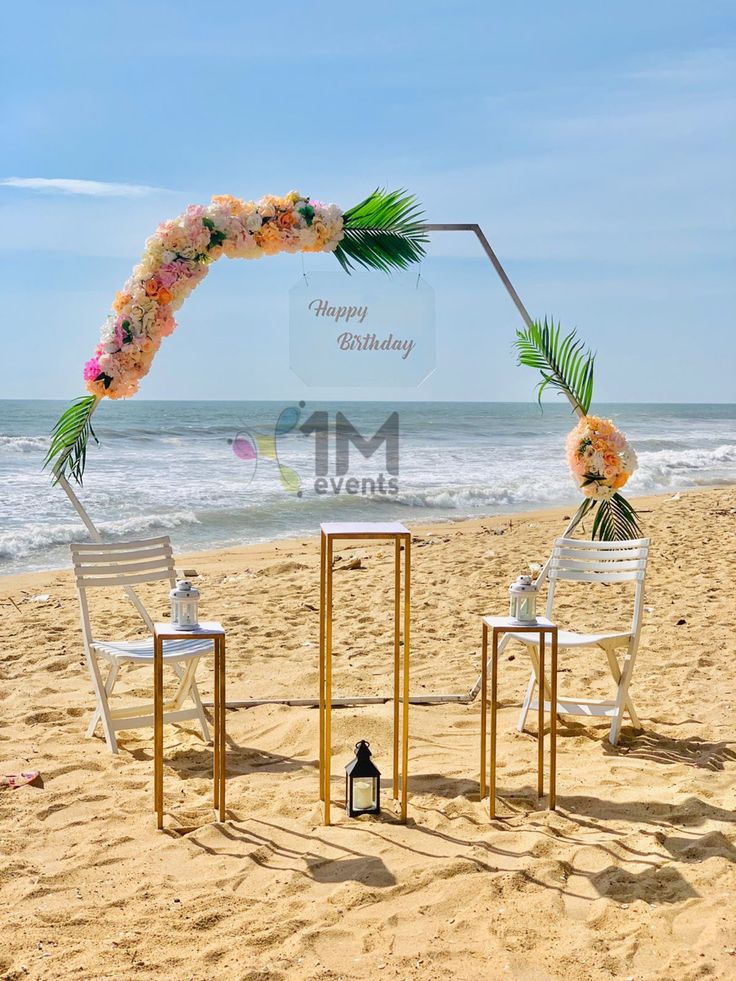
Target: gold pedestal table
x=506 y=625
x=205 y=631
x=372 y=531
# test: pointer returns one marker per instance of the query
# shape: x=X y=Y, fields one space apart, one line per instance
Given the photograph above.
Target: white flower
x=629 y=461
x=107 y=333
x=252 y=221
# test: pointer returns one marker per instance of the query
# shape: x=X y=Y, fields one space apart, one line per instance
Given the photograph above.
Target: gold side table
x=364 y=531
x=206 y=631
x=505 y=625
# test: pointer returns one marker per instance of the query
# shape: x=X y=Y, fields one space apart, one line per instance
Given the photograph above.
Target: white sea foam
x=494 y=495
x=32 y=537
x=659 y=469
x=24 y=444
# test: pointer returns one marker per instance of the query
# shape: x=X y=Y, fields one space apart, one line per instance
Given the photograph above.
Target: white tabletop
x=204 y=627
x=510 y=623
x=375 y=529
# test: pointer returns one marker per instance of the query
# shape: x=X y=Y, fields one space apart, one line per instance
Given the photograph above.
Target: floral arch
x=385 y=231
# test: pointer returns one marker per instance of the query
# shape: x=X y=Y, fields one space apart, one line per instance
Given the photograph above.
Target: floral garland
x=176 y=260
x=600 y=457
x=385 y=231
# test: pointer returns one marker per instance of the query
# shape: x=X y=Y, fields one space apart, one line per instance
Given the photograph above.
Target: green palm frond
x=615 y=520
x=68 y=450
x=587 y=504
x=564 y=362
x=383 y=232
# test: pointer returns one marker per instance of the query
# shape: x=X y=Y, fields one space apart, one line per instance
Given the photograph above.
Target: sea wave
x=663 y=465
x=478 y=497
x=24 y=444
x=22 y=542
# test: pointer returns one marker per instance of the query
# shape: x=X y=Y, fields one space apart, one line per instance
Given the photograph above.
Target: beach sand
x=632 y=877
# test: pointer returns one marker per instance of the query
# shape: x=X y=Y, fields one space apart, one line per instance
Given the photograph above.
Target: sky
x=594 y=143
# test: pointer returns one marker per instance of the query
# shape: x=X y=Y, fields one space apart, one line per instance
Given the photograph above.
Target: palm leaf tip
x=563 y=362
x=68 y=449
x=385 y=232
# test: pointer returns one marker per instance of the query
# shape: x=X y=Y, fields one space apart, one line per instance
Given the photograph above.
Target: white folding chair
x=593 y=562
x=125 y=564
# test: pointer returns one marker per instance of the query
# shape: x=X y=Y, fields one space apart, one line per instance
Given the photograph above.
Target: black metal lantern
x=362 y=783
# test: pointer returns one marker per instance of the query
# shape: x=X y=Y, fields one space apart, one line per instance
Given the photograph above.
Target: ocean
x=215 y=474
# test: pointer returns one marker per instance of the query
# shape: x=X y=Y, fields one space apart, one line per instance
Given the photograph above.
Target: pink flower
x=91 y=369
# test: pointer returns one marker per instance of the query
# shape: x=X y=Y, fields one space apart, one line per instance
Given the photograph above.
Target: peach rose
x=236 y=206
x=121 y=301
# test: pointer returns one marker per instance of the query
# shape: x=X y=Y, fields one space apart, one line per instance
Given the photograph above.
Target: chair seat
x=142 y=649
x=569 y=638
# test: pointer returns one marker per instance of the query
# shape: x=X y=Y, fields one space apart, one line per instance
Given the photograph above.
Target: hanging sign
x=362 y=331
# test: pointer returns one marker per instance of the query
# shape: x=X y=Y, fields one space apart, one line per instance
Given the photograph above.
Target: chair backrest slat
x=602 y=546
x=88 y=571
x=81 y=548
x=597 y=555
x=104 y=556
x=121 y=564
x=576 y=560
x=584 y=576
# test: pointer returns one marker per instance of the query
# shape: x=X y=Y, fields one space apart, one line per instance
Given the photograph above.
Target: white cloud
x=69 y=185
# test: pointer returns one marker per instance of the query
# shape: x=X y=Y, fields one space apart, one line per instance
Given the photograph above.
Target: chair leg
x=534 y=657
x=194 y=692
x=103 y=709
x=527 y=701
x=617 y=676
x=622 y=700
x=109 y=685
x=188 y=689
x=185 y=683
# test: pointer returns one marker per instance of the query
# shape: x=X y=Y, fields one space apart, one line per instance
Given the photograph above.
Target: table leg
x=483 y=710
x=494 y=705
x=553 y=727
x=217 y=708
x=223 y=749
x=397 y=660
x=540 y=716
x=322 y=561
x=328 y=683
x=158 y=731
x=407 y=641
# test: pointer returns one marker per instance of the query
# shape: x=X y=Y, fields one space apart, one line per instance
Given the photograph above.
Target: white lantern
x=523 y=600
x=184 y=602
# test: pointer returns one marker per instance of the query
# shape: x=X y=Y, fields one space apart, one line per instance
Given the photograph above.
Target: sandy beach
x=632 y=877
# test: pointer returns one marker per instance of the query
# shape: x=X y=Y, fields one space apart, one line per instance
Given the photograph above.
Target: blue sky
x=595 y=144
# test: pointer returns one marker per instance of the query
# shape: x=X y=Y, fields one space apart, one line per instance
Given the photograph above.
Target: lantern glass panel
x=523 y=600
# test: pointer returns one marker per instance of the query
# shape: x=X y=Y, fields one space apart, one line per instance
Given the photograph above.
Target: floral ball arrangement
x=176 y=260
x=600 y=457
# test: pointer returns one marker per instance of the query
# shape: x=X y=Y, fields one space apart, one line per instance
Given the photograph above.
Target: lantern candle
x=362 y=795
